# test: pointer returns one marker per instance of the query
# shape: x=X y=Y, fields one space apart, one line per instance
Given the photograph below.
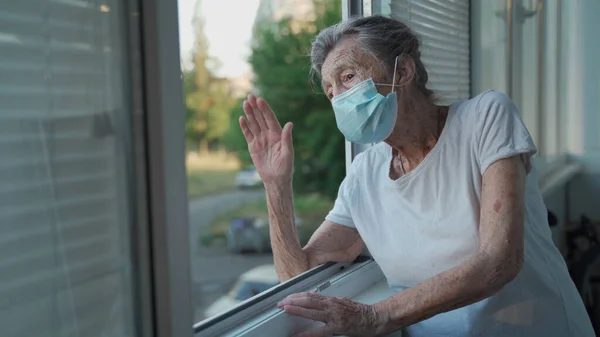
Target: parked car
x=252 y=234
x=248 y=177
x=249 y=284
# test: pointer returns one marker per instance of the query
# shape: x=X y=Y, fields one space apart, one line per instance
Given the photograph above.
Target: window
x=65 y=176
x=264 y=55
x=520 y=54
x=489 y=42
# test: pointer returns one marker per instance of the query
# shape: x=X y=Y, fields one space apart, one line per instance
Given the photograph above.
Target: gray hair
x=379 y=36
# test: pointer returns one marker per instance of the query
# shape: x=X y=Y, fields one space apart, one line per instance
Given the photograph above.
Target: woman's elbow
x=504 y=271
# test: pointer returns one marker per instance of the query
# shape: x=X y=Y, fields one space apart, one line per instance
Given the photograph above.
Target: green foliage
x=203 y=183
x=208 y=98
x=281 y=67
x=233 y=139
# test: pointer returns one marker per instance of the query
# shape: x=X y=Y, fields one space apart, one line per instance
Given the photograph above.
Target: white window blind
x=443 y=26
x=64 y=267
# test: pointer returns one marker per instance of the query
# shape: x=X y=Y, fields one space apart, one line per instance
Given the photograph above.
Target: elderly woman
x=447 y=203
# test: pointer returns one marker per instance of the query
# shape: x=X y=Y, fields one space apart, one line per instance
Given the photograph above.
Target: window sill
x=363 y=282
x=259 y=314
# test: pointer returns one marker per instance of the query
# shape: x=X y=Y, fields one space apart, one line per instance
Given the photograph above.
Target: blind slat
x=443 y=27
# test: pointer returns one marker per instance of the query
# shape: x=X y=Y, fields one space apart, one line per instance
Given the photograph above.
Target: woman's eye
x=347 y=78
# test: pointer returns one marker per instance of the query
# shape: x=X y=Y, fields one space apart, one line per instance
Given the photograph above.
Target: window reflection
x=66 y=268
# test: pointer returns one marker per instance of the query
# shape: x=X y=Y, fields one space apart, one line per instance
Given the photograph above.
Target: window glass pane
x=248 y=289
x=535 y=61
x=489 y=39
x=265 y=54
x=64 y=221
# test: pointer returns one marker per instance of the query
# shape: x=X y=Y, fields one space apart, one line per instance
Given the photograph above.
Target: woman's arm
x=498 y=261
x=331 y=242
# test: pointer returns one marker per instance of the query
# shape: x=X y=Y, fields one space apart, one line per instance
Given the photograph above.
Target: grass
x=210 y=173
x=202 y=182
x=312 y=209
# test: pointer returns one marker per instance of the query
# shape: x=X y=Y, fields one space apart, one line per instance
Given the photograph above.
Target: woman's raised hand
x=269 y=145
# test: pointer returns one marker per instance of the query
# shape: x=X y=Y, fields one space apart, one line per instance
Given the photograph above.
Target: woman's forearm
x=474 y=280
x=288 y=256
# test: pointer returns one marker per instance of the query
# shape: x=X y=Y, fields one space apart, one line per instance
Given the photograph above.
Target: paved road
x=203 y=210
x=214 y=270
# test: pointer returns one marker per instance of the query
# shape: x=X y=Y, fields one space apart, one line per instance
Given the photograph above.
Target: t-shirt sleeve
x=340 y=213
x=501 y=131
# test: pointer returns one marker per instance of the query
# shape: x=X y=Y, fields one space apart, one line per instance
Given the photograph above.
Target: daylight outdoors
x=261 y=49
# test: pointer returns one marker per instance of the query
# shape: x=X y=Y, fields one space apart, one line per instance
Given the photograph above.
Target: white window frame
x=260 y=313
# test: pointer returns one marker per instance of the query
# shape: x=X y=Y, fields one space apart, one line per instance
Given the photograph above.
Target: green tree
x=281 y=69
x=208 y=97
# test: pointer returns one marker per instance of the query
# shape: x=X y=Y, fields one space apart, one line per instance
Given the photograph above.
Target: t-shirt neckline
x=429 y=157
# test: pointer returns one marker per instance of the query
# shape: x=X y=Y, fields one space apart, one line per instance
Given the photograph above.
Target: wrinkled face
x=346 y=66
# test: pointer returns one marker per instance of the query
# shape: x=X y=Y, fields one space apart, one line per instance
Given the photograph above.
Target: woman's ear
x=405 y=72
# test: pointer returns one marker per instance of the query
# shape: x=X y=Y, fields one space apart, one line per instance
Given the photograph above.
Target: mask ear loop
x=394 y=76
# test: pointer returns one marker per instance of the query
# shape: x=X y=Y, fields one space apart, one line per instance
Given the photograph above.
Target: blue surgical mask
x=363 y=115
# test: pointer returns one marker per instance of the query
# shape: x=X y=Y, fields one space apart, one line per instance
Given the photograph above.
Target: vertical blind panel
x=62 y=272
x=443 y=26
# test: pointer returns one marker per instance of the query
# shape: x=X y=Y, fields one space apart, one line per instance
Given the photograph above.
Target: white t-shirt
x=427 y=222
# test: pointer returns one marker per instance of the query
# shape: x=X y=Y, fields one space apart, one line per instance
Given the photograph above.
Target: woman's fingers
x=246 y=129
x=286 y=137
x=312 y=314
x=269 y=115
x=304 y=302
x=258 y=114
x=251 y=118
